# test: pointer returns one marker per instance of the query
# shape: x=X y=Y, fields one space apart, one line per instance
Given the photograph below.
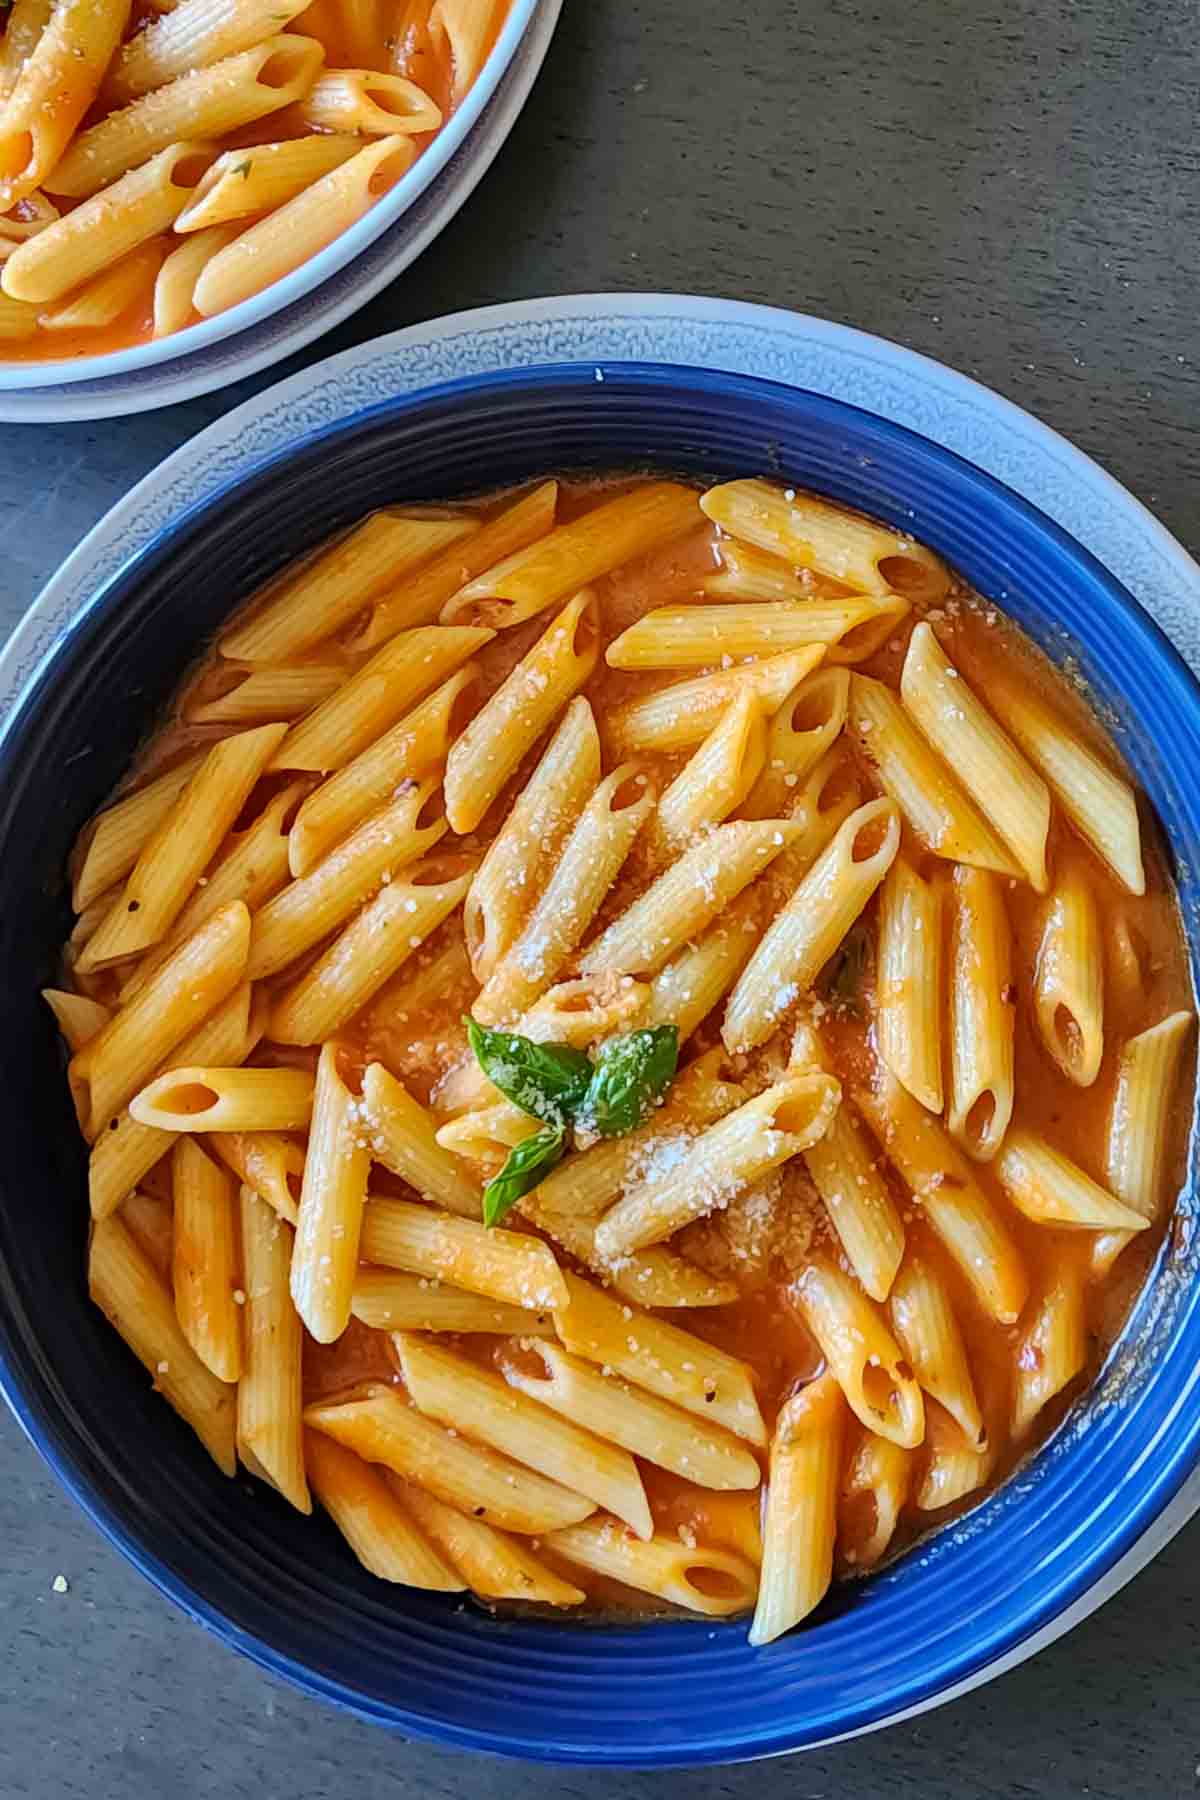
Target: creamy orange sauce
x=763 y=1247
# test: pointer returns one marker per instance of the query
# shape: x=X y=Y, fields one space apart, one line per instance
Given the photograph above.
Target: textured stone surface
x=1013 y=189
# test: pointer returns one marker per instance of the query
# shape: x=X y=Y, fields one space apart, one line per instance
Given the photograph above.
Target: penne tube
x=243 y=184
x=686 y=897
x=647 y=1427
x=750 y=574
x=881 y=1472
x=824 y=801
x=711 y=1581
x=175 y=308
x=441 y=974
x=253 y=868
x=306 y=606
x=270 y=1435
x=285 y=692
x=366 y=103
x=110 y=295
x=208 y=1099
x=1136 y=1165
x=334 y=1191
x=501 y=1265
x=31 y=216
x=206 y=104
x=936 y=806
x=302 y=227
x=149 y=1222
x=487 y=1134
x=982 y=1010
x=481 y=1404
x=414 y=750
x=1003 y=786
x=125 y=1153
x=403 y=1138
x=1050 y=1189
x=78 y=1018
x=526 y=848
x=482 y=760
x=806 y=725
x=55 y=85
x=376 y=696
x=689 y=637
x=100 y=231
x=206 y=1264
x=587 y=1183
x=381 y=1426
x=1099 y=803
x=681 y=716
x=465 y=28
x=370 y=950
x=121 y=832
x=306 y=911
x=113 y=1065
x=954 y=1465
x=654 y=1277
x=908 y=982
x=591 y=859
x=268 y=1162
x=165 y=874
x=844 y=1169
x=420 y=599
x=927 y=1331
x=27 y=20
x=1052 y=1350
x=801 y=939
x=374 y=1523
x=1068 y=977
x=800 y=1521
x=494 y=1565
x=944 y=1185
x=714 y=781
x=814 y=534
x=574 y=555
x=18 y=320
x=861 y=1352
x=723 y=1162
x=193 y=35
x=661 y=1358
x=390 y=1300
x=686 y=990
x=136 y=1301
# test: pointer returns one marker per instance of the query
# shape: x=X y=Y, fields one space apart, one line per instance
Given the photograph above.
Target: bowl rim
x=1028 y=1621
x=179 y=346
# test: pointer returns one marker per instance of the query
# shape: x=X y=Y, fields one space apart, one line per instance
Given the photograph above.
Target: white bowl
x=328 y=287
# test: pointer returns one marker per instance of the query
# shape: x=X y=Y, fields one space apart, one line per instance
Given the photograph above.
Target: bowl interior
x=284 y=1589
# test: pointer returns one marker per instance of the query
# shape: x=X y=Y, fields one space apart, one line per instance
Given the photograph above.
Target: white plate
x=333 y=286
x=827 y=359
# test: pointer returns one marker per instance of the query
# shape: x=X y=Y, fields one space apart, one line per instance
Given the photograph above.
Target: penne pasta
x=493 y=1564
x=268 y=1162
x=374 y=1523
x=122 y=831
x=403 y=1138
x=723 y=1162
x=56 y=83
x=149 y=1222
x=193 y=35
x=805 y=726
x=715 y=780
x=908 y=983
x=368 y=103
x=801 y=939
x=285 y=692
x=18 y=320
x=861 y=1353
x=1006 y=790
x=927 y=1331
x=1068 y=977
x=681 y=716
x=175 y=308
x=811 y=533
x=750 y=574
x=879 y=1472
x=689 y=637
x=501 y=1265
x=206 y=1263
x=800 y=1523
x=954 y=1465
x=711 y=1581
x=465 y=26
x=654 y=1277
x=78 y=1018
x=1052 y=1350
x=389 y=1300
x=382 y=1427
x=481 y=1404
x=1136 y=1164
x=136 y=1301
x=27 y=20
x=243 y=184
x=336 y=1167
x=270 y=1435
x=574 y=555
x=591 y=860
x=1050 y=1189
x=109 y=296
x=686 y=990
x=199 y=1099
x=981 y=1014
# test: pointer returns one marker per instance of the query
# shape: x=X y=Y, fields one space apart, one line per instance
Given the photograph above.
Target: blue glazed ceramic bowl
x=284 y=1589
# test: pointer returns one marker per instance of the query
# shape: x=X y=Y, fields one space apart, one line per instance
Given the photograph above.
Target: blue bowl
x=285 y=1590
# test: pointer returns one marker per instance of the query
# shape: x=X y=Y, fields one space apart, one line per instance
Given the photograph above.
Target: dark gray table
x=1011 y=187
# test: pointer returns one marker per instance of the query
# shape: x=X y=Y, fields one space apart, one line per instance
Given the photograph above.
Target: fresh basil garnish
x=631 y=1073
x=526 y=1165
x=547 y=1081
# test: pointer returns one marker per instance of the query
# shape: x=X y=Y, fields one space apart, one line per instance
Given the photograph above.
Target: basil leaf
x=631 y=1073
x=527 y=1164
x=547 y=1081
